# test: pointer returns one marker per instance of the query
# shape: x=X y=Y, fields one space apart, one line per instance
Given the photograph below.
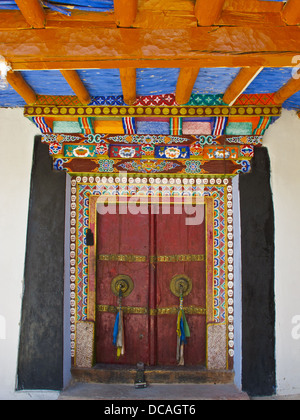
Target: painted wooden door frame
x=217 y=193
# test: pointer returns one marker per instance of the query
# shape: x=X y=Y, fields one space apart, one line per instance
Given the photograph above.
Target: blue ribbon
x=116 y=329
x=182 y=337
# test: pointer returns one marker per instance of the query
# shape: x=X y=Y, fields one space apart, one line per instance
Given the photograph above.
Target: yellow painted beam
x=288 y=90
x=291 y=12
x=77 y=86
x=128 y=81
x=33 y=12
x=208 y=12
x=185 y=84
x=90 y=48
x=17 y=82
x=240 y=83
x=125 y=12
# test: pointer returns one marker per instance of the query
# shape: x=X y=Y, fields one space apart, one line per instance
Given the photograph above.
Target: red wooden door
x=187 y=242
x=122 y=235
x=160 y=239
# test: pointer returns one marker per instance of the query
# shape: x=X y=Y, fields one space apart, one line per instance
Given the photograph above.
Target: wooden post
x=291 y=12
x=125 y=12
x=33 y=12
x=240 y=83
x=208 y=12
x=77 y=86
x=185 y=84
x=17 y=82
x=128 y=81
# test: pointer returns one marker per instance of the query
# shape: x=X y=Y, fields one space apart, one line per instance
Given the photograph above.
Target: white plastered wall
x=16 y=151
x=283 y=142
x=16 y=142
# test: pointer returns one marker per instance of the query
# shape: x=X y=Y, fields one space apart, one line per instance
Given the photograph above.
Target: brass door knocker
x=122 y=284
x=181 y=285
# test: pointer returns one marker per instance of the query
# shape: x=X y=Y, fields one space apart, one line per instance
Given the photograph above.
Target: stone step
x=157 y=392
x=116 y=374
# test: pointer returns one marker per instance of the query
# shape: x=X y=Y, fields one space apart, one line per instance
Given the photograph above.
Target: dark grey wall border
x=258 y=295
x=40 y=362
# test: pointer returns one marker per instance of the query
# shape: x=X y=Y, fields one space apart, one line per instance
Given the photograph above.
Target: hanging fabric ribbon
x=183 y=332
x=118 y=335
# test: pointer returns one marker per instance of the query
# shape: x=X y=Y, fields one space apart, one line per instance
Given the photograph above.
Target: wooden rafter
x=33 y=12
x=208 y=12
x=17 y=82
x=77 y=86
x=186 y=81
x=69 y=49
x=125 y=12
x=291 y=12
x=288 y=90
x=128 y=81
x=240 y=83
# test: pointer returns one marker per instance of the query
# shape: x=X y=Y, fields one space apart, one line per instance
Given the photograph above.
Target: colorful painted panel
x=149 y=166
x=219 y=167
x=125 y=151
x=85 y=150
x=222 y=155
x=152 y=140
x=217 y=152
x=172 y=152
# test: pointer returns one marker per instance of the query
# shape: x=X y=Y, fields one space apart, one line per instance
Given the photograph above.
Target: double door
x=152 y=250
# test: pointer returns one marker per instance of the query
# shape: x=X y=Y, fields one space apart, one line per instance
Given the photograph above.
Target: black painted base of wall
x=41 y=339
x=258 y=301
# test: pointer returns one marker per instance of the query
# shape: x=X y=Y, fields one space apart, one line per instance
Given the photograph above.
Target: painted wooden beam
x=208 y=12
x=17 y=82
x=152 y=19
x=77 y=86
x=93 y=47
x=185 y=84
x=288 y=90
x=128 y=81
x=291 y=12
x=240 y=83
x=33 y=12
x=125 y=12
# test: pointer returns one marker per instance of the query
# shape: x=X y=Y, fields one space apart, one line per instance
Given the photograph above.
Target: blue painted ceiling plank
x=156 y=81
x=106 y=82
x=48 y=82
x=270 y=80
x=214 y=81
x=88 y=5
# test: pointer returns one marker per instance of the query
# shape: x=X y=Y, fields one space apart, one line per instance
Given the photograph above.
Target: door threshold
x=126 y=374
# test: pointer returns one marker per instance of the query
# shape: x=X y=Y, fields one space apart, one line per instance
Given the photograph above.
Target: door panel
x=123 y=235
x=174 y=237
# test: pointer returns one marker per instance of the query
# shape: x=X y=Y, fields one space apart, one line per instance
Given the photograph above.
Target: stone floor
x=171 y=392
x=123 y=393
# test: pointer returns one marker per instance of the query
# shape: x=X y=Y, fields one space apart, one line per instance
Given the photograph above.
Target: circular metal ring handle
x=181 y=285
x=124 y=283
